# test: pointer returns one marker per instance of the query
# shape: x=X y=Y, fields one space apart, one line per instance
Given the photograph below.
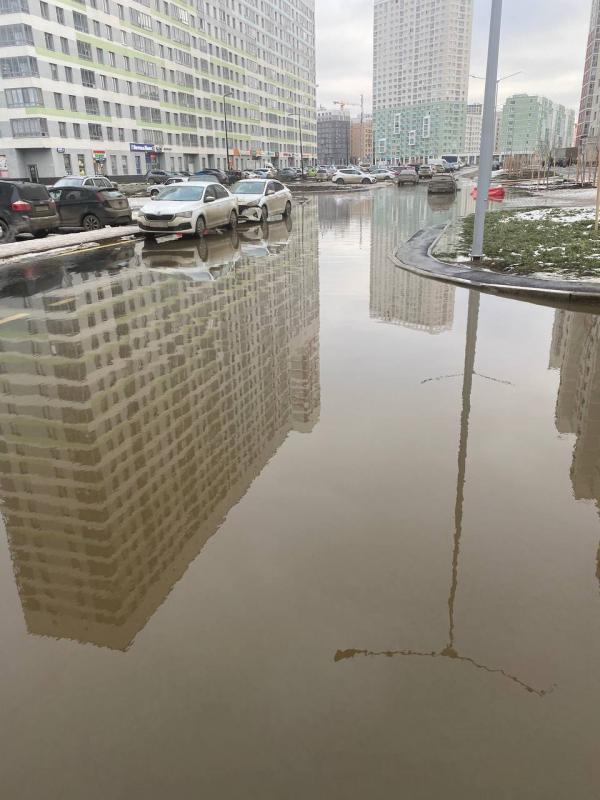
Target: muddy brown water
x=282 y=521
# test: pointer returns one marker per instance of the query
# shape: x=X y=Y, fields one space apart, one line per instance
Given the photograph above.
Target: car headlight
x=185 y=214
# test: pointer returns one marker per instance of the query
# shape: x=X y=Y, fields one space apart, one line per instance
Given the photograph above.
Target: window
x=88 y=78
x=58 y=101
x=412 y=138
x=22 y=98
x=106 y=106
x=64 y=45
x=426 y=133
x=62 y=129
x=124 y=37
x=19 y=67
x=118 y=110
x=121 y=134
x=103 y=82
x=72 y=102
x=69 y=74
x=120 y=11
x=95 y=131
x=113 y=165
x=15 y=34
x=112 y=59
x=97 y=29
x=127 y=63
x=109 y=33
x=54 y=72
x=67 y=158
x=80 y=22
x=115 y=84
x=33 y=126
x=132 y=112
x=109 y=134
x=49 y=41
x=138 y=165
x=100 y=55
x=84 y=50
x=44 y=10
x=60 y=15
x=8 y=6
x=91 y=105
x=124 y=165
x=129 y=87
x=77 y=130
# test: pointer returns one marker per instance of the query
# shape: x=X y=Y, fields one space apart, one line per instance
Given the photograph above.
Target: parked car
x=442 y=184
x=259 y=199
x=264 y=172
x=26 y=208
x=381 y=174
x=189 y=208
x=193 y=259
x=425 y=171
x=158 y=175
x=287 y=174
x=215 y=174
x=407 y=175
x=348 y=175
x=90 y=209
x=90 y=181
x=321 y=174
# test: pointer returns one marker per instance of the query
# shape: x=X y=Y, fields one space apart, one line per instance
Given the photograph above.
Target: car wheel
x=40 y=234
x=91 y=223
x=7 y=233
x=288 y=209
x=154 y=192
x=264 y=213
x=365 y=180
x=340 y=181
x=200 y=227
x=233 y=220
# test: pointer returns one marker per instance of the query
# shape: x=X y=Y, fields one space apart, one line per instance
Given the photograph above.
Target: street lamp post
x=226 y=93
x=301 y=147
x=488 y=130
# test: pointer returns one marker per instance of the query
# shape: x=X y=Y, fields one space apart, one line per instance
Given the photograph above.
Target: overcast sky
x=544 y=38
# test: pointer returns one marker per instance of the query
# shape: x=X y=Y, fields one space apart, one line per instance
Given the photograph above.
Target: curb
x=64 y=242
x=415 y=256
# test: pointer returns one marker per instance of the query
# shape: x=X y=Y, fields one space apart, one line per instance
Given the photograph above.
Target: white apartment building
x=588 y=124
x=421 y=56
x=117 y=86
x=473 y=131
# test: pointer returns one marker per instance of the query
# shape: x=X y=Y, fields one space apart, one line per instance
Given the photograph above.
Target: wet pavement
x=283 y=521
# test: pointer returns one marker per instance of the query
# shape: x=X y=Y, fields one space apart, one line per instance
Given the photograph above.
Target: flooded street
x=282 y=521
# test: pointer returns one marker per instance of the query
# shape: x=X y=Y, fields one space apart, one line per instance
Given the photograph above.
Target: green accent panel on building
x=401 y=126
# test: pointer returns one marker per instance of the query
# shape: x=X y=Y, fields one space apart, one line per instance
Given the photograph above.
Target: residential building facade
x=118 y=87
x=532 y=124
x=333 y=137
x=361 y=140
x=588 y=123
x=473 y=131
x=421 y=56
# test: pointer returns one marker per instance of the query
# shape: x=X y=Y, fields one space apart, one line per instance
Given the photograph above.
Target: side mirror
x=270 y=191
x=209 y=199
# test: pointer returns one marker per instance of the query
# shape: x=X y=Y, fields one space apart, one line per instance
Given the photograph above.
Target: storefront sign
x=135 y=147
x=99 y=155
x=60 y=149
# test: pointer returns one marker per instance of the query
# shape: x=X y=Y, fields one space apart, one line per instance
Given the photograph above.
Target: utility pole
x=488 y=130
x=362 y=130
x=226 y=94
x=301 y=150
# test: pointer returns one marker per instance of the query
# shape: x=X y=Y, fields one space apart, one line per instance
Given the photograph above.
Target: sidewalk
x=415 y=256
x=64 y=241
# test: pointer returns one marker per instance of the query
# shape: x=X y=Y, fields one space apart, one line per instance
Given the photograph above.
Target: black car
x=26 y=208
x=90 y=209
x=287 y=174
x=158 y=175
x=215 y=173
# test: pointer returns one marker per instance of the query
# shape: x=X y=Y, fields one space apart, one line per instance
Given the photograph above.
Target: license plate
x=41 y=209
x=169 y=238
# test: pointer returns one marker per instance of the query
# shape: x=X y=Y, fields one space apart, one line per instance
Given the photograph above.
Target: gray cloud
x=544 y=38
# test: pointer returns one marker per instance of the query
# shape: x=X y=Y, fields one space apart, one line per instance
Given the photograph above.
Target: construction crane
x=343 y=103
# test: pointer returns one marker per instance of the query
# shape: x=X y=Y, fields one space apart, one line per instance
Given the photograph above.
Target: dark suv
x=26 y=208
x=158 y=175
x=90 y=209
x=218 y=174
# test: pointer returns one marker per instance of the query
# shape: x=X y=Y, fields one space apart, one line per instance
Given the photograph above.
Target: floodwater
x=285 y=522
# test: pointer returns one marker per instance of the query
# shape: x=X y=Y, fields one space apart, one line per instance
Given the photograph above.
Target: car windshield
x=249 y=187
x=69 y=182
x=183 y=193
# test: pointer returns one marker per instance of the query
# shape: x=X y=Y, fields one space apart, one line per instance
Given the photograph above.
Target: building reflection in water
x=397 y=296
x=136 y=410
x=575 y=351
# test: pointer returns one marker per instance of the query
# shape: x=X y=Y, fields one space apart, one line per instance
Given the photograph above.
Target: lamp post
x=488 y=130
x=226 y=93
x=301 y=147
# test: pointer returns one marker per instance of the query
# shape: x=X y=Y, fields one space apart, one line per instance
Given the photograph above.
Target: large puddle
x=283 y=521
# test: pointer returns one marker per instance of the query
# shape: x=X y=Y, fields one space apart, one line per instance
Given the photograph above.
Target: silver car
x=349 y=175
x=189 y=208
x=258 y=199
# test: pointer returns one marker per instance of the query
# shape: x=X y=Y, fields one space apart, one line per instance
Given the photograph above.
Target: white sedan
x=189 y=208
x=343 y=176
x=258 y=199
